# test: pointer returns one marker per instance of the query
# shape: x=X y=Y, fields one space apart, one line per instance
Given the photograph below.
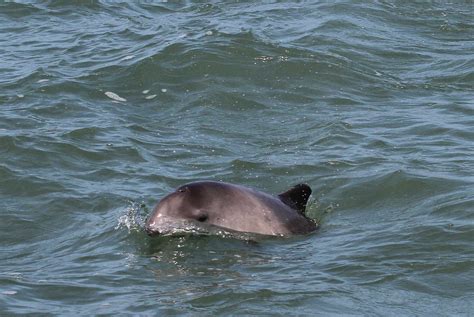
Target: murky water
x=107 y=106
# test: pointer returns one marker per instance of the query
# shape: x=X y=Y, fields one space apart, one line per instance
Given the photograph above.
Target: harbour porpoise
x=206 y=204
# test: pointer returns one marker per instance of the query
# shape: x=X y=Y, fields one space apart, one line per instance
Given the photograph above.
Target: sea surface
x=107 y=106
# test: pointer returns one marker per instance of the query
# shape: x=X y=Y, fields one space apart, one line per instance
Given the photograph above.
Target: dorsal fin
x=296 y=197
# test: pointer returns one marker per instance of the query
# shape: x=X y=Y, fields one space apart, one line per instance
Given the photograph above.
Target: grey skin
x=234 y=207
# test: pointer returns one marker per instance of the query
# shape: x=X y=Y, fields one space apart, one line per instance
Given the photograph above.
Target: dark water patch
x=18 y=9
x=389 y=189
x=17 y=183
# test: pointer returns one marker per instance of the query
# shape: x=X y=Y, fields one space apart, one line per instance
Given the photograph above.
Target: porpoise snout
x=151 y=229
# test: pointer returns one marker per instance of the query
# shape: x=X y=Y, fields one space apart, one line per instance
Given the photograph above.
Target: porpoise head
x=184 y=209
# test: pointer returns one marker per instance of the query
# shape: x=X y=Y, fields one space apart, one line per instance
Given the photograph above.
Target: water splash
x=210 y=230
x=317 y=212
x=133 y=217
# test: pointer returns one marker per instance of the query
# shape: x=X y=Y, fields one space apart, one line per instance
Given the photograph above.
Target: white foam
x=114 y=96
x=9 y=292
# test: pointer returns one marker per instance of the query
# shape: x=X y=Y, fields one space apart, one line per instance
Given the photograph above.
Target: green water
x=106 y=106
